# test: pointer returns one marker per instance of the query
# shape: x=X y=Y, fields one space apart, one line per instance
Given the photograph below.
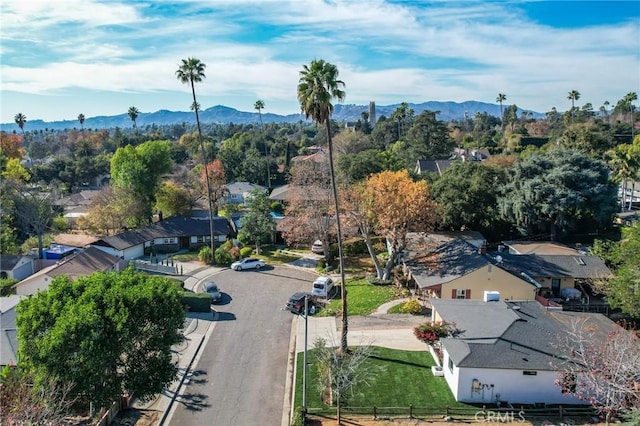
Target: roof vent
x=579 y=261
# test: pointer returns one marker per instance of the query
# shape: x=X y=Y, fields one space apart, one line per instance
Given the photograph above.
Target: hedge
x=197 y=302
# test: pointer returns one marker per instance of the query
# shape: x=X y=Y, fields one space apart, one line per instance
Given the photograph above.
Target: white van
x=322 y=287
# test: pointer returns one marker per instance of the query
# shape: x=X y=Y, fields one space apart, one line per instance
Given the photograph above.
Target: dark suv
x=295 y=303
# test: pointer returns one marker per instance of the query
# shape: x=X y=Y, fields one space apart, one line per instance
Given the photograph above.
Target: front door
x=555 y=287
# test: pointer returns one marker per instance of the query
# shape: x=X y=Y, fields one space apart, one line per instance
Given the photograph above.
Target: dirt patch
x=132 y=416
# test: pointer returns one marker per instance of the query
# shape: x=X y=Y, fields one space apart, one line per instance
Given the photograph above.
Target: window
x=461 y=294
x=450 y=364
x=529 y=373
x=169 y=240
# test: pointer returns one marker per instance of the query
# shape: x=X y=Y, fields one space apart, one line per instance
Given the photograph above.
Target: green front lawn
x=363 y=298
x=397 y=379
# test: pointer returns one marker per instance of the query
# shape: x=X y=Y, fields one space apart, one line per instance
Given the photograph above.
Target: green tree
x=573 y=95
x=428 y=138
x=257 y=226
x=553 y=191
x=500 y=99
x=191 y=71
x=20 y=120
x=107 y=334
x=140 y=169
x=173 y=199
x=133 y=115
x=461 y=189
x=317 y=87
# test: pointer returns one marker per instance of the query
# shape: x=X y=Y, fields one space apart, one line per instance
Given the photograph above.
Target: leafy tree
x=140 y=170
x=15 y=171
x=216 y=184
x=257 y=225
x=112 y=210
x=133 y=112
x=356 y=167
x=106 y=334
x=317 y=87
x=191 y=71
x=391 y=204
x=403 y=116
x=385 y=133
x=552 y=191
x=20 y=120
x=467 y=198
x=428 y=138
x=172 y=199
x=11 y=145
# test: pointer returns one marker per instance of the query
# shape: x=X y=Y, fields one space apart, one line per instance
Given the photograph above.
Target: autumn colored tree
x=112 y=210
x=173 y=199
x=216 y=185
x=11 y=145
x=392 y=205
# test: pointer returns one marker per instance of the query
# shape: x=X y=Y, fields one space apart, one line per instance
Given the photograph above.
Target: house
x=74 y=240
x=556 y=272
x=432 y=166
x=16 y=266
x=81 y=264
x=458 y=269
x=507 y=351
x=238 y=192
x=8 y=330
x=169 y=235
x=538 y=247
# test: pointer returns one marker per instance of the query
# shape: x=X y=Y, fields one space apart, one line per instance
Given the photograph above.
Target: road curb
x=289 y=384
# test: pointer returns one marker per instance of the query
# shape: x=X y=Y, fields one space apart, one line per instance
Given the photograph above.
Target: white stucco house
x=506 y=351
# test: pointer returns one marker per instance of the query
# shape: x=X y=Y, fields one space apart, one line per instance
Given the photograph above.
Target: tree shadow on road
x=194 y=401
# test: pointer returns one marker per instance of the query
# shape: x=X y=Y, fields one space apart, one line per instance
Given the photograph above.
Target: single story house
x=16 y=266
x=457 y=269
x=80 y=264
x=507 y=352
x=169 y=235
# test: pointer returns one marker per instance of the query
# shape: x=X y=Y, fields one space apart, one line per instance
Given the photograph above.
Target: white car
x=248 y=263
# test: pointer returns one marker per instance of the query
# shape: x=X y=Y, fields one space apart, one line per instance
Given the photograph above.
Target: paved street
x=240 y=375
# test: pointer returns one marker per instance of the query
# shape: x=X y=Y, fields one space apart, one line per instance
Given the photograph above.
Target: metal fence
x=155 y=267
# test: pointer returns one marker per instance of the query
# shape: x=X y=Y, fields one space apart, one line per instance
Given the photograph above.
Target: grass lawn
x=363 y=298
x=397 y=379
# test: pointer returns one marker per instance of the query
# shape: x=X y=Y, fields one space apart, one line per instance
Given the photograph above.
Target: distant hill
x=223 y=115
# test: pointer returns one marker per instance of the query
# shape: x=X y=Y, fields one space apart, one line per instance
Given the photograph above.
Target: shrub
x=276 y=207
x=5 y=286
x=246 y=252
x=197 y=302
x=205 y=255
x=373 y=279
x=59 y=223
x=412 y=307
x=355 y=247
x=430 y=333
x=223 y=256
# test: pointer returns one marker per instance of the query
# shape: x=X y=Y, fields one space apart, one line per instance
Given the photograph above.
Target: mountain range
x=223 y=115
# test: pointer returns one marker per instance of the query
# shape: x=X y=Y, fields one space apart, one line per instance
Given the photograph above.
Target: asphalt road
x=239 y=379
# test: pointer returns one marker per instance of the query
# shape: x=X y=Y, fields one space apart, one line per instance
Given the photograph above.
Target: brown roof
x=540 y=247
x=85 y=263
x=75 y=240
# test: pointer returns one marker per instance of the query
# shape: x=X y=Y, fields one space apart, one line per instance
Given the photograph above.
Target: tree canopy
x=106 y=334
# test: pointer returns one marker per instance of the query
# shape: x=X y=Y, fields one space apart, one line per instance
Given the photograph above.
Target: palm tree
x=20 y=119
x=191 y=71
x=629 y=98
x=606 y=109
x=133 y=115
x=317 y=87
x=259 y=105
x=81 y=120
x=574 y=95
x=500 y=99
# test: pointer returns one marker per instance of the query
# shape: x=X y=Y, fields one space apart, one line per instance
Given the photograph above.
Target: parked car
x=213 y=290
x=295 y=303
x=322 y=287
x=248 y=263
x=317 y=247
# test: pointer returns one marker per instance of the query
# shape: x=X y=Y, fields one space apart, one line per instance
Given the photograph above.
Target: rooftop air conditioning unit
x=491 y=296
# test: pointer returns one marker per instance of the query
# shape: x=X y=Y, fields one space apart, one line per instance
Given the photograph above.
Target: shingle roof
x=445 y=263
x=510 y=335
x=555 y=265
x=540 y=247
x=176 y=226
x=85 y=263
x=433 y=166
x=8 y=332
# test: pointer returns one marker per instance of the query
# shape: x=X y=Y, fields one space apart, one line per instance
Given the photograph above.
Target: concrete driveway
x=239 y=377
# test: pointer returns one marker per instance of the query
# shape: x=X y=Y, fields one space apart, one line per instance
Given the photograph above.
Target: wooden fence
x=479 y=414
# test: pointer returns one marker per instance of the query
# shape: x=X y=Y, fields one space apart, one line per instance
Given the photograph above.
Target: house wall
x=23 y=269
x=126 y=254
x=451 y=372
x=565 y=282
x=490 y=278
x=33 y=284
x=509 y=385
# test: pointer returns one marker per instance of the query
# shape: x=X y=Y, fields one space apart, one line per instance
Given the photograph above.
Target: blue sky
x=66 y=57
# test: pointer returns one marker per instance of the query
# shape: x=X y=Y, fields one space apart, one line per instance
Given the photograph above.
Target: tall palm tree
x=133 y=115
x=629 y=98
x=81 y=120
x=500 y=99
x=573 y=95
x=191 y=71
x=317 y=87
x=21 y=119
x=259 y=105
x=606 y=109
